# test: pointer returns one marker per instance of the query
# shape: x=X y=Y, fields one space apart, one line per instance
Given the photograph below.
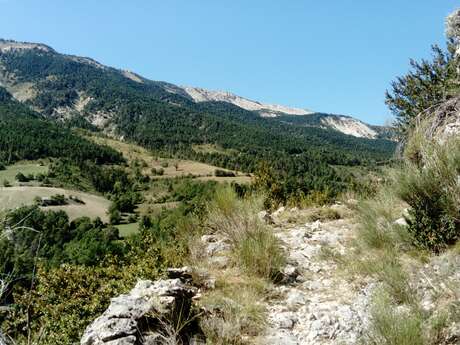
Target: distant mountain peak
x=265 y=110
x=66 y=92
x=7 y=45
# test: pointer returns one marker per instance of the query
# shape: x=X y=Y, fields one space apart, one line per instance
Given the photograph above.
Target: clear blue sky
x=334 y=56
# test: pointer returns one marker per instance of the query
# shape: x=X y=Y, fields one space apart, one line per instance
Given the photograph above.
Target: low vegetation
x=256 y=261
x=412 y=219
x=75 y=266
x=429 y=185
x=27 y=169
x=255 y=247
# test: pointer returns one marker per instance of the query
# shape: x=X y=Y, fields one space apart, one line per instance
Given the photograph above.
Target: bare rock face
x=152 y=310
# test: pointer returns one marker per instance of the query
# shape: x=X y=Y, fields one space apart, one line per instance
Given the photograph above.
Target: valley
x=140 y=212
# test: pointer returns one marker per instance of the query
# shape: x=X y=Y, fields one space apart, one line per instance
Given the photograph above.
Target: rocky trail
x=316 y=305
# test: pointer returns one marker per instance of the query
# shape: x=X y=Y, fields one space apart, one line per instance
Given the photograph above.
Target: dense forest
x=24 y=134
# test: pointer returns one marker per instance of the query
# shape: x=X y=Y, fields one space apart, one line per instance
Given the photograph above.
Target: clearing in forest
x=93 y=205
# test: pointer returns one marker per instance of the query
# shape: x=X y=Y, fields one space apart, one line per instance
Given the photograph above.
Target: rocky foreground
x=317 y=302
x=318 y=306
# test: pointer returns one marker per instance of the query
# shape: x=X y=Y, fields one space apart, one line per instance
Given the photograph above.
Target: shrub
x=115 y=216
x=59 y=199
x=6 y=183
x=158 y=172
x=20 y=177
x=223 y=173
x=429 y=184
x=377 y=228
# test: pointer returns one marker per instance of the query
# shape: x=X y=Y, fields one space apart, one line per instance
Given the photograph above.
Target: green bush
x=20 y=177
x=223 y=173
x=158 y=172
x=429 y=184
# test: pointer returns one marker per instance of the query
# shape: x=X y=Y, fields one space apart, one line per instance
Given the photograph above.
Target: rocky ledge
x=151 y=313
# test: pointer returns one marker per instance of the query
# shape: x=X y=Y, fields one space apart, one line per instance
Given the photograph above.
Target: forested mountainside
x=163 y=117
x=26 y=135
x=76 y=97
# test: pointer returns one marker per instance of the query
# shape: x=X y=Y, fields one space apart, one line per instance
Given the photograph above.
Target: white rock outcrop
x=142 y=313
x=267 y=110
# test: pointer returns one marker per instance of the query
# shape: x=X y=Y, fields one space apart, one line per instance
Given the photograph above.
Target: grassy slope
x=134 y=152
x=95 y=206
x=25 y=168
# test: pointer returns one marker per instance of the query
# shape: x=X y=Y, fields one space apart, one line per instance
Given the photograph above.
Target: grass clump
x=323 y=214
x=255 y=248
x=235 y=305
x=393 y=325
x=259 y=254
x=238 y=312
x=377 y=228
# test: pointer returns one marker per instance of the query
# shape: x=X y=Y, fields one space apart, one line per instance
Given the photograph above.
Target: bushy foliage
x=429 y=184
x=428 y=84
x=49 y=236
x=223 y=173
x=79 y=269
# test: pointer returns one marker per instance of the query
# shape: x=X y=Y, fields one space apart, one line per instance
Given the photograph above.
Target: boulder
x=215 y=245
x=266 y=217
x=401 y=221
x=290 y=274
x=146 y=309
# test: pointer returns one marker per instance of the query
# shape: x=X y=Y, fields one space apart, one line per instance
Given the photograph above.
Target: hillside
x=341 y=123
x=165 y=118
x=140 y=212
x=25 y=134
x=73 y=97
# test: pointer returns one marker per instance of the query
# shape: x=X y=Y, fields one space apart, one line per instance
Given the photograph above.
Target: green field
x=128 y=229
x=26 y=168
x=17 y=196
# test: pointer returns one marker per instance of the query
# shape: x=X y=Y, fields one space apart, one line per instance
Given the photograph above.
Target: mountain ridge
x=24 y=92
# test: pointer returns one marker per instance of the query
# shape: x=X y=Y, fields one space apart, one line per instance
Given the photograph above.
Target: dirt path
x=319 y=306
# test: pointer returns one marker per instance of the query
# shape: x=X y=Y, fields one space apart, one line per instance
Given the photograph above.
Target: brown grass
x=134 y=153
x=95 y=206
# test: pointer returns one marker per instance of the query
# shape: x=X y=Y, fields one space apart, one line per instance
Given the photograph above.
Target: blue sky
x=335 y=56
